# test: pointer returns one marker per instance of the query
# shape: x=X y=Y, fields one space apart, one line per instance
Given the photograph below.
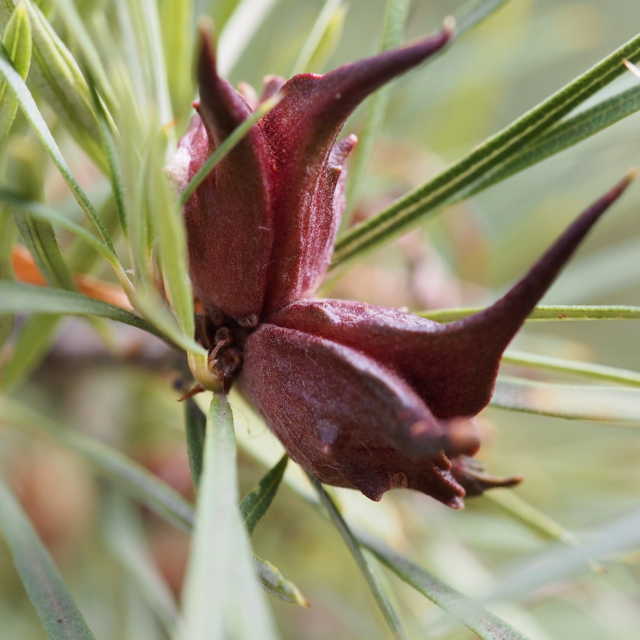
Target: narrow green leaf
x=601 y=312
x=330 y=39
x=28 y=349
x=128 y=476
x=111 y=155
x=195 y=424
x=82 y=257
x=145 y=64
x=238 y=31
x=482 y=622
x=252 y=508
x=468 y=16
x=40 y=238
x=135 y=172
x=221 y=11
x=365 y=566
x=22 y=298
x=43 y=212
x=176 y=18
x=124 y=533
x=585 y=369
x=76 y=28
x=157 y=314
x=17 y=42
x=26 y=174
x=138 y=215
x=559 y=563
x=315 y=37
x=156 y=61
x=171 y=240
x=536 y=520
x=392 y=35
x=256 y=503
x=59 y=614
x=130 y=83
x=411 y=209
x=59 y=79
x=17 y=39
x=226 y=147
x=563 y=135
x=533 y=518
x=34 y=117
x=136 y=482
x=569 y=401
x=221 y=586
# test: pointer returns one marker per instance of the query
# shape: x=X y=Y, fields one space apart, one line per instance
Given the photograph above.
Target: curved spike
x=221 y=107
x=228 y=219
x=452 y=367
x=345 y=418
x=482 y=338
x=304 y=125
x=301 y=131
x=512 y=309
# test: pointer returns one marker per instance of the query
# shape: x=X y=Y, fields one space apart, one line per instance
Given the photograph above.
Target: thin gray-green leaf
x=393 y=30
x=23 y=298
x=32 y=113
x=17 y=42
x=574 y=312
x=576 y=402
x=221 y=585
x=195 y=426
x=412 y=208
x=59 y=614
x=572 y=367
x=562 y=136
x=365 y=566
x=256 y=503
x=485 y=624
x=125 y=536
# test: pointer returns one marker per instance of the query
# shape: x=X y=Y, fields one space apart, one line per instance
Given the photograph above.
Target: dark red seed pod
x=360 y=396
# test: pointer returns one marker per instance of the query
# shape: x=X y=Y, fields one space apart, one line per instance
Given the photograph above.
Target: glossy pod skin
x=360 y=396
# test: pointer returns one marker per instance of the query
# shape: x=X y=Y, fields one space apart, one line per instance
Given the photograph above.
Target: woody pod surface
x=361 y=396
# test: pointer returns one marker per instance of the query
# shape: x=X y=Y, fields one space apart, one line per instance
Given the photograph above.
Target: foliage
x=93 y=97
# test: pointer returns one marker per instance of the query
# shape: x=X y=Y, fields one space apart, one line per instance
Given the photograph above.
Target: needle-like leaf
x=574 y=312
x=24 y=298
x=569 y=401
x=32 y=113
x=17 y=42
x=412 y=208
x=365 y=566
x=485 y=624
x=59 y=614
x=221 y=585
x=256 y=503
x=572 y=367
x=124 y=534
x=195 y=427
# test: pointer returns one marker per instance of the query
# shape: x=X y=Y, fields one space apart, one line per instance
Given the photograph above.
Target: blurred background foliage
x=581 y=474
